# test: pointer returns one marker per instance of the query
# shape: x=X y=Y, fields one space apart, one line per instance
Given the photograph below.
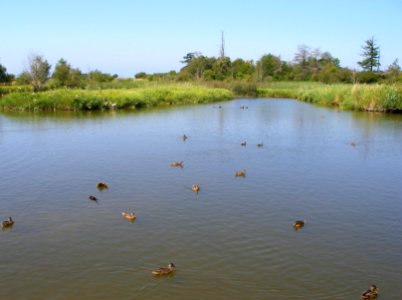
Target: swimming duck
x=298 y=224
x=7 y=223
x=177 y=164
x=165 y=270
x=93 y=198
x=241 y=173
x=129 y=215
x=196 y=188
x=102 y=185
x=244 y=144
x=184 y=137
x=260 y=145
x=371 y=293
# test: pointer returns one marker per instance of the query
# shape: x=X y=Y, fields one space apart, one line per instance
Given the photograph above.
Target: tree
x=4 y=76
x=303 y=63
x=3 y=73
x=268 y=67
x=24 y=78
x=242 y=69
x=394 y=70
x=371 y=55
x=65 y=75
x=141 y=75
x=98 y=76
x=190 y=56
x=38 y=71
x=62 y=72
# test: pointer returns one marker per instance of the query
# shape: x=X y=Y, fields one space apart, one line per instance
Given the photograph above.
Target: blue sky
x=126 y=37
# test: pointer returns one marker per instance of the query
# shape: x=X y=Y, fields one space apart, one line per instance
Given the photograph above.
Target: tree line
x=308 y=65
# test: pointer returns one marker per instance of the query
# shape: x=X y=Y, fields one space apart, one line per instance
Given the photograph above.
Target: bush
x=368 y=77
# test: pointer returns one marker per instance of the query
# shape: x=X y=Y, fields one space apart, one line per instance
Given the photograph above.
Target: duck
x=93 y=198
x=177 y=164
x=102 y=185
x=371 y=293
x=298 y=224
x=196 y=188
x=241 y=173
x=353 y=144
x=244 y=144
x=7 y=223
x=260 y=145
x=129 y=215
x=165 y=270
x=184 y=137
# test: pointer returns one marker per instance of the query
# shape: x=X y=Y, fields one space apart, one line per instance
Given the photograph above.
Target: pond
x=234 y=239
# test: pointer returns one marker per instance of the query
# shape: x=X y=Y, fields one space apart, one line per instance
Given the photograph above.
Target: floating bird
x=371 y=293
x=244 y=144
x=102 y=185
x=7 y=223
x=177 y=164
x=184 y=137
x=241 y=173
x=298 y=224
x=196 y=188
x=129 y=215
x=260 y=145
x=165 y=270
x=353 y=144
x=93 y=198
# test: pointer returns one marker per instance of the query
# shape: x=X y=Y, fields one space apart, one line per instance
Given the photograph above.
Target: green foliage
x=365 y=97
x=268 y=67
x=65 y=76
x=3 y=73
x=23 y=79
x=113 y=99
x=393 y=71
x=242 y=70
x=371 y=55
x=141 y=75
x=98 y=76
x=4 y=76
x=62 y=72
x=368 y=77
x=7 y=89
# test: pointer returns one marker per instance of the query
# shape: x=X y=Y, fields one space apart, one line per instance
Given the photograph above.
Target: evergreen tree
x=371 y=55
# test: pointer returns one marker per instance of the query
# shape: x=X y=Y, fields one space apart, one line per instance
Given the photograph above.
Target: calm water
x=234 y=240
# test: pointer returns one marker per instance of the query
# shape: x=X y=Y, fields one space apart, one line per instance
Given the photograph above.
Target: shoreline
x=358 y=97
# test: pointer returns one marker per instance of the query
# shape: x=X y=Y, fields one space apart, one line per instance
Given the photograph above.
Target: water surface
x=339 y=171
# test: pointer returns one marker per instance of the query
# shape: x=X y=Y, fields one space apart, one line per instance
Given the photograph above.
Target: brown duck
x=165 y=270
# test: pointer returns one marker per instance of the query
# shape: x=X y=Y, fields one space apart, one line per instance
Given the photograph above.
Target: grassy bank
x=381 y=98
x=8 y=89
x=65 y=99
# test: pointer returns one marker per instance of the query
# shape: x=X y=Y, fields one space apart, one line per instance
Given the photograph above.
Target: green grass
x=7 y=89
x=68 y=99
x=378 y=97
x=135 y=94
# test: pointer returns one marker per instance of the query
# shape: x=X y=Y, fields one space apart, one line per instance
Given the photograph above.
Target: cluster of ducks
x=103 y=186
x=371 y=293
x=244 y=144
x=131 y=217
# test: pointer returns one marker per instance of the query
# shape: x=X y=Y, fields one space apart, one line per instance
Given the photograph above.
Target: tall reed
x=67 y=99
x=378 y=97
